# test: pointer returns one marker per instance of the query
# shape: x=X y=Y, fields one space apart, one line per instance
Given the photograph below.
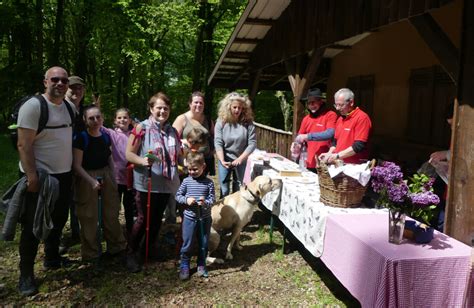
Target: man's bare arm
x=26 y=138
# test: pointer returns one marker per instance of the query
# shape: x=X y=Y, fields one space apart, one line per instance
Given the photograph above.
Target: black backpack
x=44 y=116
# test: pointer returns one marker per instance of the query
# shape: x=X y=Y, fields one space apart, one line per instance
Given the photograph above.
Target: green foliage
x=8 y=164
x=126 y=50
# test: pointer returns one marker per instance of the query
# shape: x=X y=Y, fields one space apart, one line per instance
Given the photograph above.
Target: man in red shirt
x=352 y=131
x=317 y=128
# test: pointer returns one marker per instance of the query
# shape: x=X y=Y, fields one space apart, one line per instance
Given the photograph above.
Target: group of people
x=329 y=137
x=158 y=151
x=94 y=172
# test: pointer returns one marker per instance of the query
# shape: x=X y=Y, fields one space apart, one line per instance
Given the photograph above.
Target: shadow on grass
x=293 y=244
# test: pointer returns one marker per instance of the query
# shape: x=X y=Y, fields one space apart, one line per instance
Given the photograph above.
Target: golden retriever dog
x=235 y=211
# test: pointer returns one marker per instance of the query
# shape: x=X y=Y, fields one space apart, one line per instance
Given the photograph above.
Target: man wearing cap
x=352 y=131
x=317 y=128
x=75 y=95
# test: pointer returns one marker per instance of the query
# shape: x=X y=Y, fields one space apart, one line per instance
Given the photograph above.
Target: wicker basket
x=340 y=191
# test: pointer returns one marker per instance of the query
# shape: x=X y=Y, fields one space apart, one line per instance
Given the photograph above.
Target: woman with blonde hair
x=234 y=140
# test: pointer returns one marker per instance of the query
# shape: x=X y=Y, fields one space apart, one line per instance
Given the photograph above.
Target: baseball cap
x=76 y=80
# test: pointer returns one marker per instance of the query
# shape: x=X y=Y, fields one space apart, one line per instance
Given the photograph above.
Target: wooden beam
x=439 y=43
x=338 y=46
x=233 y=63
x=230 y=70
x=238 y=55
x=300 y=85
x=291 y=73
x=247 y=41
x=277 y=80
x=254 y=88
x=259 y=22
x=459 y=221
x=311 y=69
x=240 y=74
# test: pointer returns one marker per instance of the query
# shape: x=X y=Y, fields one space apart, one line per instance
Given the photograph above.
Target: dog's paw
x=239 y=247
x=212 y=260
x=229 y=256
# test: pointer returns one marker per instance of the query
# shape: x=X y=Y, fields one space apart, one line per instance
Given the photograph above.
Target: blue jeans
x=190 y=226
x=237 y=175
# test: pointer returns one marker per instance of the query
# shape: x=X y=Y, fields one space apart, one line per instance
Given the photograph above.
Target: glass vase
x=396 y=225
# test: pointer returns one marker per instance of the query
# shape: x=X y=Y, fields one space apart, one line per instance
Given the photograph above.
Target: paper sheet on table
x=360 y=172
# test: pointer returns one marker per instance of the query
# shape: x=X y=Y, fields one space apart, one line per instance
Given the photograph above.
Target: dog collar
x=257 y=198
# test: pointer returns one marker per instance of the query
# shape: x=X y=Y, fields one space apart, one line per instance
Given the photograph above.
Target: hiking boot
x=202 y=271
x=184 y=274
x=27 y=285
x=62 y=262
x=132 y=263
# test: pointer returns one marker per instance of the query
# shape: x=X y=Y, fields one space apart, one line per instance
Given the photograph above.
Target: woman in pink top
x=119 y=139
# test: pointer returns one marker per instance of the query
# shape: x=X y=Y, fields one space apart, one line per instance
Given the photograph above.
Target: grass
x=8 y=164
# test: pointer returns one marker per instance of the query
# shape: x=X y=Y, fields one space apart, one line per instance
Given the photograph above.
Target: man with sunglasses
x=317 y=128
x=49 y=152
x=353 y=128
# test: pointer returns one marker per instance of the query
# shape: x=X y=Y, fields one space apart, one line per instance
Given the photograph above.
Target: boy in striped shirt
x=197 y=192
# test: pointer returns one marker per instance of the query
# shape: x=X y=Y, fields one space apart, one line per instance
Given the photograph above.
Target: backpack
x=43 y=119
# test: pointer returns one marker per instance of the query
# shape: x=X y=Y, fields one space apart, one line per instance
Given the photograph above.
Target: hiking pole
x=99 y=217
x=148 y=205
x=200 y=203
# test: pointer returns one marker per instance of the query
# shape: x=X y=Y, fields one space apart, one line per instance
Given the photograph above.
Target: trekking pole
x=99 y=217
x=200 y=204
x=148 y=205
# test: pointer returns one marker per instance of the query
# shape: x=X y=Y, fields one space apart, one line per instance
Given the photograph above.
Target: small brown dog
x=234 y=211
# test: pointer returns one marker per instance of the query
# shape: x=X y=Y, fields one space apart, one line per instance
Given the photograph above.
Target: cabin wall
x=390 y=54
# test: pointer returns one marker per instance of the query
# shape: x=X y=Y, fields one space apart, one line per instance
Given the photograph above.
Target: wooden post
x=460 y=204
x=254 y=89
x=300 y=85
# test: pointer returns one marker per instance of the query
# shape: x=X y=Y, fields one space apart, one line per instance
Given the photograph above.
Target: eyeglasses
x=64 y=80
x=341 y=105
x=92 y=118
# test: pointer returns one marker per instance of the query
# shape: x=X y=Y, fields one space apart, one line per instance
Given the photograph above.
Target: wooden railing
x=273 y=140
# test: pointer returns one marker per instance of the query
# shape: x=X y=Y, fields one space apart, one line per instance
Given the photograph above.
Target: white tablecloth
x=298 y=207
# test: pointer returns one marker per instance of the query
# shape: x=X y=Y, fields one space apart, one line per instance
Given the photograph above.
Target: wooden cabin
x=406 y=60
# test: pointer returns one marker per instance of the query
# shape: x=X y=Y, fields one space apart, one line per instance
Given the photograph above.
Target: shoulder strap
x=44 y=113
x=106 y=138
x=71 y=112
x=85 y=136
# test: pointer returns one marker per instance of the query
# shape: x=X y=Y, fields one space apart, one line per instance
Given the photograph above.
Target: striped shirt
x=197 y=188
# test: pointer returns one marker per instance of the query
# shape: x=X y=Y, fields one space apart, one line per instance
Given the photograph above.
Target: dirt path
x=260 y=274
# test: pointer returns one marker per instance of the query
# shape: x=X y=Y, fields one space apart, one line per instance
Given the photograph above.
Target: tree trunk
x=58 y=31
x=39 y=33
x=197 y=65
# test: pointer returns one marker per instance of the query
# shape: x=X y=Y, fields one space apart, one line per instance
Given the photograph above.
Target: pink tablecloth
x=380 y=274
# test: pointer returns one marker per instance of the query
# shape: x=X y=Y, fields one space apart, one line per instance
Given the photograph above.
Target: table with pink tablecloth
x=381 y=274
x=353 y=243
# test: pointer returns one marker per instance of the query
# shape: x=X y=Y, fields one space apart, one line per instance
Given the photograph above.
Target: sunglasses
x=57 y=79
x=92 y=118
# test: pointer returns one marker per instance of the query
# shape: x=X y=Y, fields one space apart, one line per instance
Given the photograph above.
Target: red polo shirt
x=326 y=119
x=354 y=127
